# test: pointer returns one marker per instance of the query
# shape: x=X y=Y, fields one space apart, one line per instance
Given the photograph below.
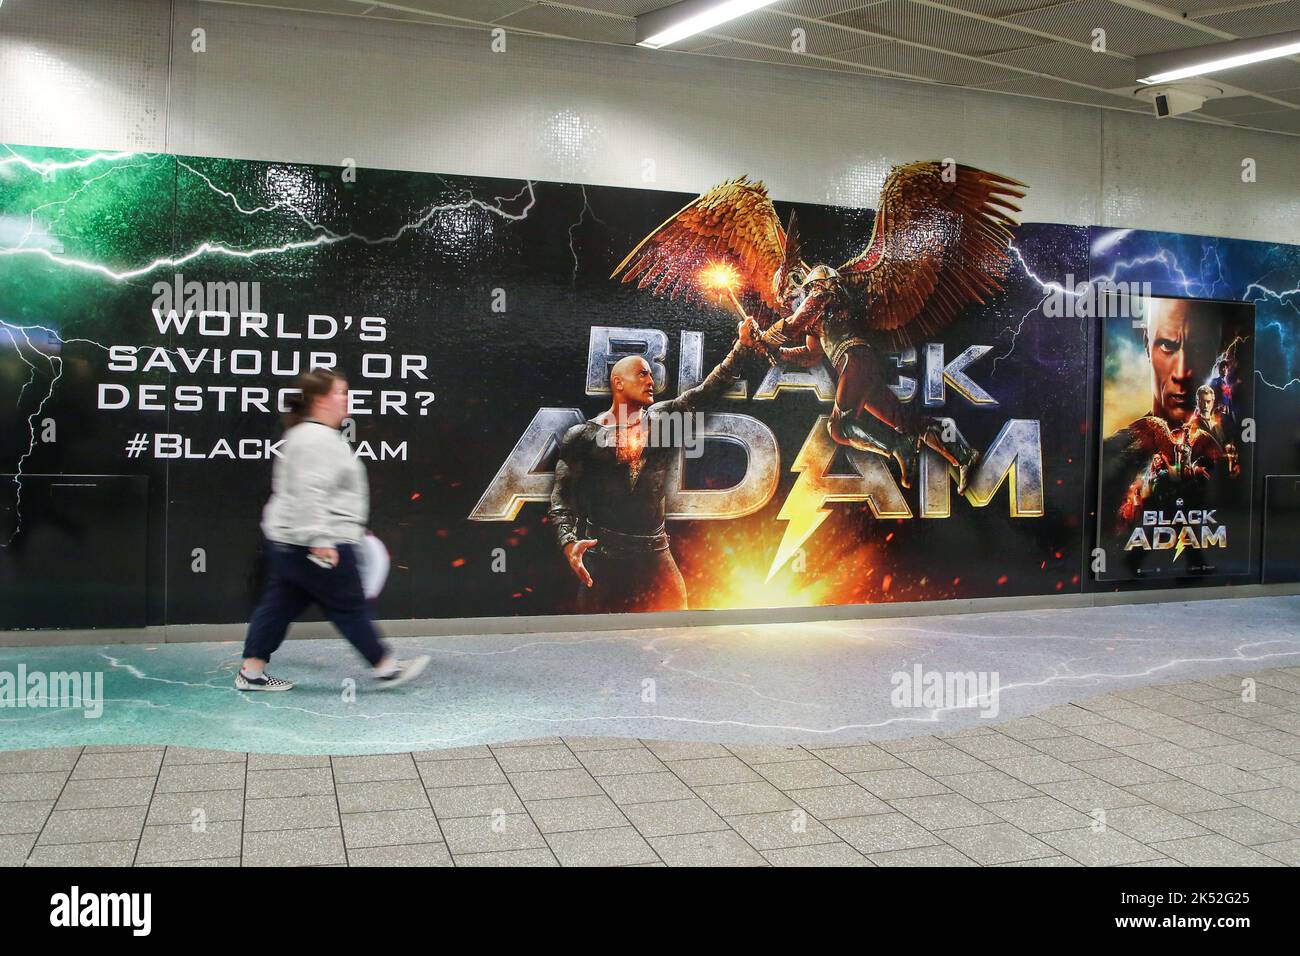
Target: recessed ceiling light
x=659 y=28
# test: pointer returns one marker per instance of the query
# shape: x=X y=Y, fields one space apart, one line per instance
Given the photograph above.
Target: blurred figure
x=313 y=524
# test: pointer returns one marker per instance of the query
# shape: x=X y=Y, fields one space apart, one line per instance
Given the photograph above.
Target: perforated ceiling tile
x=821 y=9
x=622 y=8
x=995 y=8
x=940 y=29
x=480 y=11
x=774 y=29
x=1071 y=62
x=345 y=7
x=1231 y=107
x=564 y=22
x=1057 y=90
x=915 y=61
x=1263 y=77
x=1193 y=7
x=1127 y=30
x=737 y=50
x=1257 y=21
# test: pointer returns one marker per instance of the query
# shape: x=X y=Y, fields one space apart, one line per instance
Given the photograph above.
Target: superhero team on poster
x=1176 y=483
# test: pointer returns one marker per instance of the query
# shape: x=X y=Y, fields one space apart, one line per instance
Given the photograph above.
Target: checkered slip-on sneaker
x=265 y=682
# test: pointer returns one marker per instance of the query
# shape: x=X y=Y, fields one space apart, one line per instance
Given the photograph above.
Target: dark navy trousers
x=297 y=582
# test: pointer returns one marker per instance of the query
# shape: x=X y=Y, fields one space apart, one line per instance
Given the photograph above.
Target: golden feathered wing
x=939 y=243
x=734 y=224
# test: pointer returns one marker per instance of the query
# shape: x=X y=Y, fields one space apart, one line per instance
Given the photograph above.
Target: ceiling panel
x=1258 y=21
x=773 y=29
x=1058 y=90
x=1072 y=62
x=1266 y=77
x=578 y=24
x=941 y=29
x=481 y=11
x=914 y=61
x=736 y=50
x=1127 y=30
x=1231 y=107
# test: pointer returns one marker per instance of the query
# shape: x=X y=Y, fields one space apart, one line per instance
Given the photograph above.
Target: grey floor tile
x=382 y=795
x=832 y=803
x=190 y=755
x=29 y=761
x=1037 y=769
x=728 y=799
x=860 y=758
x=38 y=785
x=941 y=762
x=1151 y=824
x=84 y=854
x=376 y=768
x=390 y=828
x=301 y=782
x=475 y=801
x=1047 y=861
x=286 y=761
x=1245 y=826
x=645 y=788
x=821 y=854
x=1115 y=734
x=91 y=794
x=1039 y=814
x=1164 y=755
x=923 y=856
x=460 y=773
x=1287 y=852
x=760 y=753
x=93 y=826
x=996 y=843
x=1107 y=847
x=623 y=760
x=491 y=833
x=1068 y=715
x=183 y=778
x=319 y=847
x=188 y=808
x=586 y=744
x=1213 y=850
x=291 y=813
x=1122 y=771
x=616 y=846
x=1026 y=729
x=1072 y=748
x=165 y=844
x=1281 y=803
x=720 y=848
x=15 y=847
x=1222 y=779
x=781 y=828
x=230 y=861
x=539 y=856
x=564 y=814
x=1092 y=794
x=530 y=742
x=1181 y=796
x=989 y=785
x=894 y=784
x=882 y=832
x=684 y=749
x=801 y=774
x=1246 y=757
x=25 y=817
x=1286 y=776
x=546 y=784
x=670 y=817
x=418 y=854
x=943 y=811
x=909 y=744
x=712 y=770
x=94 y=766
x=518 y=759
x=987 y=746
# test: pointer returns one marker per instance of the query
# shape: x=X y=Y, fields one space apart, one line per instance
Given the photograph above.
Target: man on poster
x=609 y=499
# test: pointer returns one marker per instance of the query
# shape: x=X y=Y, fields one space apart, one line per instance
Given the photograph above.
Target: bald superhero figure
x=608 y=502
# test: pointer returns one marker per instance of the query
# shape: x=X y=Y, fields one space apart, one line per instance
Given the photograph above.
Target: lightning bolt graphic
x=803 y=508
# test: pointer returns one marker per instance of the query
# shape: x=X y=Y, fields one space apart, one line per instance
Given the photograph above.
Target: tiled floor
x=1176 y=774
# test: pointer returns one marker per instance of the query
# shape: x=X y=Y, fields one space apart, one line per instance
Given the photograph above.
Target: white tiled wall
x=312 y=88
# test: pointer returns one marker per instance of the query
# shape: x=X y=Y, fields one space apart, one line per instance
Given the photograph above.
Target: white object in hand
x=373 y=561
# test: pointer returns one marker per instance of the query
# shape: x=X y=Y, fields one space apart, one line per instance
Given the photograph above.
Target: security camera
x=1170 y=100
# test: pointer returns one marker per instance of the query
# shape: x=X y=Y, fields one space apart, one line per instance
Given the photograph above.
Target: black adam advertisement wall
x=933 y=399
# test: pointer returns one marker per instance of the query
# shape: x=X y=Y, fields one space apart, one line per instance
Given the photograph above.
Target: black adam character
x=939 y=243
x=608 y=502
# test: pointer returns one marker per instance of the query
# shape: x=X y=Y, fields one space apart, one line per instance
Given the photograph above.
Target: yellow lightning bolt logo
x=802 y=508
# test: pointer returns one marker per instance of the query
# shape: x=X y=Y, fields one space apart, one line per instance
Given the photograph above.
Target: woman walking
x=313 y=524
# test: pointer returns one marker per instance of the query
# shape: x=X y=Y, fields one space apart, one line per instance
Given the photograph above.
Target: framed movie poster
x=1177 y=438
